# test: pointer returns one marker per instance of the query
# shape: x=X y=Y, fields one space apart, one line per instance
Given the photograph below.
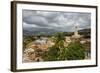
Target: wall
x=5 y=37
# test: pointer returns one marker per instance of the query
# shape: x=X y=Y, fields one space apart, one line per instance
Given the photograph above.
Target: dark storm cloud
x=58 y=21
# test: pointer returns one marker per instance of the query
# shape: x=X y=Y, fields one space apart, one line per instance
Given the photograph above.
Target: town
x=42 y=48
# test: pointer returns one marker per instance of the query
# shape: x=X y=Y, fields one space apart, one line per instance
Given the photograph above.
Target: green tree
x=27 y=40
x=59 y=40
x=56 y=52
x=52 y=54
x=75 y=51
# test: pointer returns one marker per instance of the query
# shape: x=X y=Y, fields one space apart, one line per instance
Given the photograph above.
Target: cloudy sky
x=58 y=21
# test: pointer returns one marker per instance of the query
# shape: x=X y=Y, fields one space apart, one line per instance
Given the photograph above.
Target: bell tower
x=76 y=35
x=76 y=30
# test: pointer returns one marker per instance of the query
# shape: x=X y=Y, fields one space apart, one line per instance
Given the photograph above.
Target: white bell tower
x=76 y=35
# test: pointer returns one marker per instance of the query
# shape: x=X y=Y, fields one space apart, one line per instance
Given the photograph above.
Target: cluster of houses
x=38 y=46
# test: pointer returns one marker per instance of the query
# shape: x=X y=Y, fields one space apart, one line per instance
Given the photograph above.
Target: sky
x=55 y=21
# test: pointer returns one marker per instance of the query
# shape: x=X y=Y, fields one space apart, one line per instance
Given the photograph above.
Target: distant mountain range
x=39 y=31
x=85 y=31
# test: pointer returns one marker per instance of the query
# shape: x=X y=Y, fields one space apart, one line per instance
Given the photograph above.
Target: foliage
x=58 y=51
x=27 y=40
x=52 y=54
x=75 y=51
